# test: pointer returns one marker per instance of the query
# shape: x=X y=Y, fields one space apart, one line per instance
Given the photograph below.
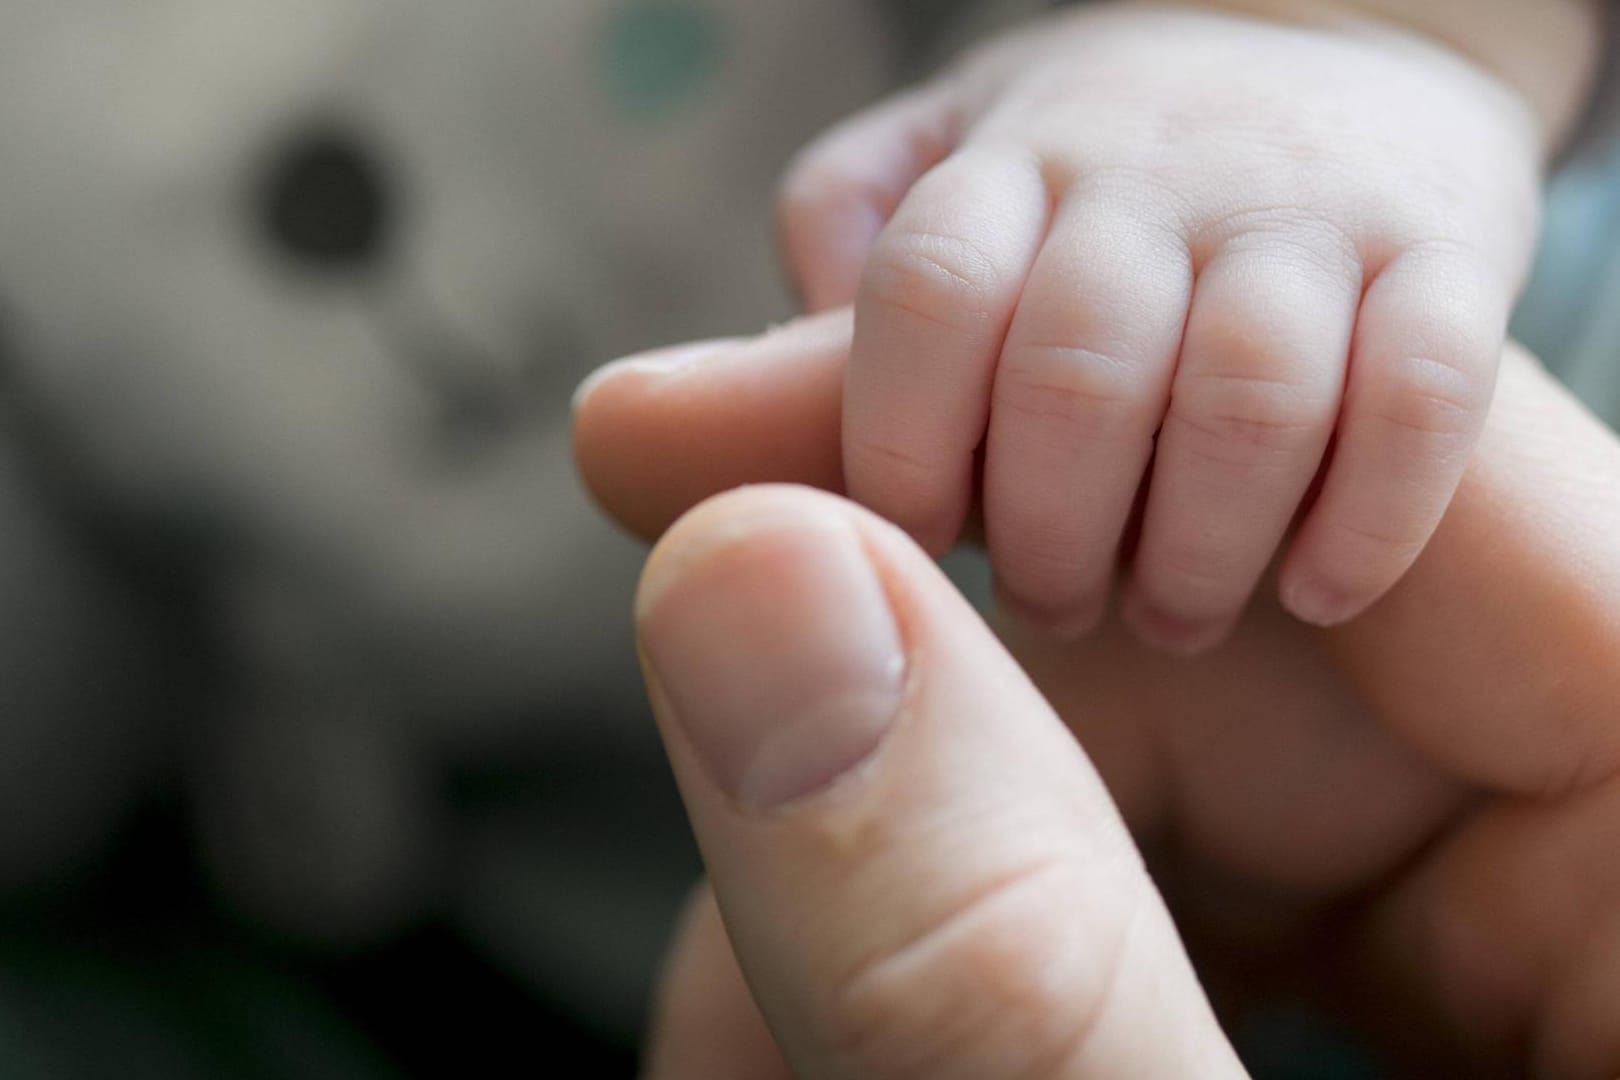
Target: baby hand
x=1190 y=282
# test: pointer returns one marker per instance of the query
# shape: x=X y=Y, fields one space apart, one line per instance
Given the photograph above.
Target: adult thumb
x=918 y=869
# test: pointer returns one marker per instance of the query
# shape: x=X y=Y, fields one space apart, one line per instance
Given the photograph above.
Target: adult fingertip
x=658 y=433
x=613 y=439
x=655 y=363
x=940 y=884
x=774 y=709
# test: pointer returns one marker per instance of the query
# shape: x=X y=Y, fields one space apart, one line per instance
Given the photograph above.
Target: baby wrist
x=1547 y=51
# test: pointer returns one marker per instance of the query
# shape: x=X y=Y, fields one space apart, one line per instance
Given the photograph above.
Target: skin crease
x=1063 y=260
x=1465 y=916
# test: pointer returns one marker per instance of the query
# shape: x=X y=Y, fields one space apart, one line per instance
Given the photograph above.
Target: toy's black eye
x=327 y=201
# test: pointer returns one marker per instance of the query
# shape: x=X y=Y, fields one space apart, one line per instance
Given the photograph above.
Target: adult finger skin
x=655 y=435
x=1498 y=654
x=920 y=871
x=705 y=1024
x=1502 y=941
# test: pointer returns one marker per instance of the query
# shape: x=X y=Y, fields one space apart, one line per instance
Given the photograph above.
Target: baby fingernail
x=1069 y=623
x=776 y=651
x=1171 y=633
x=1319 y=604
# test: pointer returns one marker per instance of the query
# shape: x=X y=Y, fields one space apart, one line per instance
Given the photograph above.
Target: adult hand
x=1412 y=817
x=921 y=871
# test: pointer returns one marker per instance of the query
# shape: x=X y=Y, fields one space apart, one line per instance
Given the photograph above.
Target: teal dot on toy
x=658 y=55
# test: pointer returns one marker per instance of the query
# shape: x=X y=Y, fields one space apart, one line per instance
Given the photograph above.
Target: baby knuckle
x=1201 y=577
x=1461 y=332
x=1453 y=301
x=1398 y=535
x=944 y=280
x=1430 y=398
x=1261 y=334
x=1461 y=267
x=1247 y=419
x=1307 y=258
x=1088 y=394
x=1047 y=563
x=906 y=469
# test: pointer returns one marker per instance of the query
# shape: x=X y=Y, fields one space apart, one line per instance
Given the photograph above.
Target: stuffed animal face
x=309 y=283
x=293 y=295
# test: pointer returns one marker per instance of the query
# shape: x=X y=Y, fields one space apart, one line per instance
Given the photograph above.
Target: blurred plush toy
x=292 y=299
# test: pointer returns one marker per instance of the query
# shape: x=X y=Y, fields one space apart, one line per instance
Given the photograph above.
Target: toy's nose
x=481 y=396
x=333 y=205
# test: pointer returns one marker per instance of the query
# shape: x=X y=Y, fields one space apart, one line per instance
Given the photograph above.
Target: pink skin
x=1412 y=815
x=1140 y=247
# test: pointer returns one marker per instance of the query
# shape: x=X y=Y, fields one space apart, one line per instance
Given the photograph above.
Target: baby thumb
x=842 y=189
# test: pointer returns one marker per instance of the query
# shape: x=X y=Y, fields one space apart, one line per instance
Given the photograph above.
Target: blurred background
x=322 y=751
